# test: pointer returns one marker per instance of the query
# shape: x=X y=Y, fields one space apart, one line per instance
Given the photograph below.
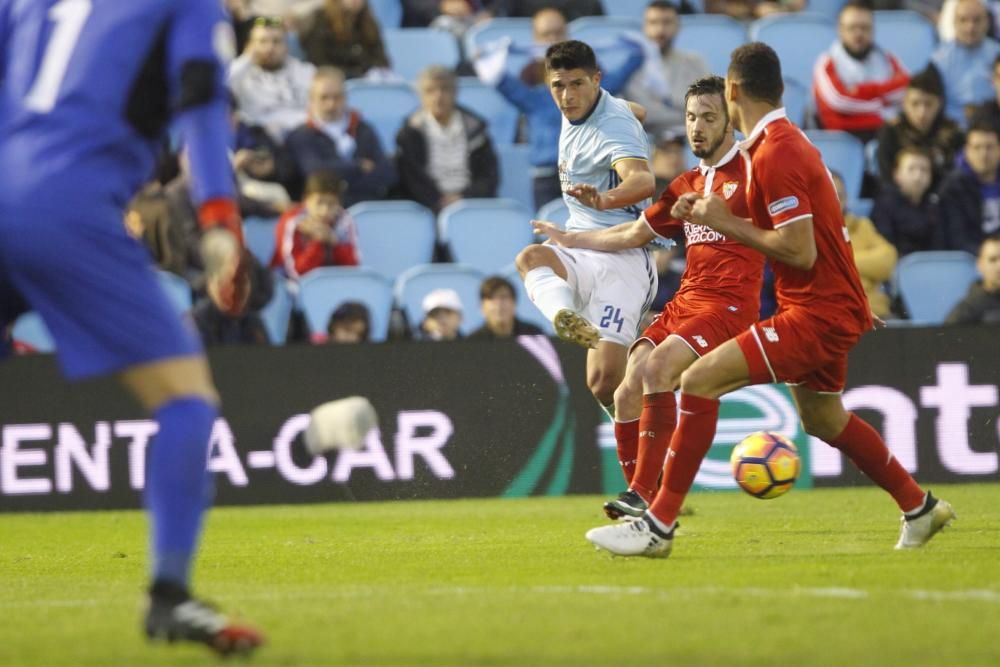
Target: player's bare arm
x=793 y=243
x=638 y=111
x=638 y=183
x=627 y=235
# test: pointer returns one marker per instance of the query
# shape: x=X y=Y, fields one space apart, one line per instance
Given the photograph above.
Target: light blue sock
x=178 y=485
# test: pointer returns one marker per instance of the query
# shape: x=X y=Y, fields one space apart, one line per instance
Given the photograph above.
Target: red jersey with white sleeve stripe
x=787 y=182
x=720 y=271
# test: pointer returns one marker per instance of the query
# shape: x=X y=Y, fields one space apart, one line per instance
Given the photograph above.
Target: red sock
x=692 y=438
x=656 y=427
x=627 y=437
x=866 y=449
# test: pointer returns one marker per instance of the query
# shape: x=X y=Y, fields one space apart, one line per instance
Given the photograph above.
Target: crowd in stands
x=303 y=155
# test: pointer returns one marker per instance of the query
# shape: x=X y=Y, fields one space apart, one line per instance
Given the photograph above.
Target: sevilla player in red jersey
x=822 y=312
x=718 y=298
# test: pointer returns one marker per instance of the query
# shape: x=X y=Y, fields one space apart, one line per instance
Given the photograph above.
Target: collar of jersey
x=730 y=154
x=589 y=113
x=762 y=124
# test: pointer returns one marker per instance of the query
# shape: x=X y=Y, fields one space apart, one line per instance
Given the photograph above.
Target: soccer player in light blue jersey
x=87 y=89
x=594 y=298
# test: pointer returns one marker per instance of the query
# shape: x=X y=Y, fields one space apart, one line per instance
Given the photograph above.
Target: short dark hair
x=350 y=311
x=489 y=287
x=757 y=69
x=982 y=122
x=917 y=151
x=571 y=54
x=663 y=4
x=928 y=81
x=707 y=85
x=863 y=5
x=323 y=182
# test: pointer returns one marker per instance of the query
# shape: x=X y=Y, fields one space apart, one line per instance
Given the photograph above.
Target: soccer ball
x=765 y=464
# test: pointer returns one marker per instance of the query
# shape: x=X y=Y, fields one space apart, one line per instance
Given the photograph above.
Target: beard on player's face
x=709 y=144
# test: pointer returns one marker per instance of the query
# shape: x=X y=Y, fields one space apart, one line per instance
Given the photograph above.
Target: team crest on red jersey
x=729 y=188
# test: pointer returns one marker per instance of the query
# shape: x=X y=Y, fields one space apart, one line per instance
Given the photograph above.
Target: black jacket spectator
x=521 y=328
x=312 y=150
x=944 y=141
x=415 y=182
x=962 y=211
x=909 y=228
x=217 y=328
x=977 y=307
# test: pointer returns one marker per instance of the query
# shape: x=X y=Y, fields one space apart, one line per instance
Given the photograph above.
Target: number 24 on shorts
x=612 y=315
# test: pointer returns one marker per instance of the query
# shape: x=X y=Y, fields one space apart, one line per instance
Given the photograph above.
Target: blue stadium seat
x=278 y=311
x=259 y=235
x=517 y=29
x=486 y=233
x=322 y=290
x=798 y=39
x=796 y=101
x=177 y=289
x=525 y=309
x=602 y=33
x=413 y=285
x=843 y=153
x=907 y=35
x=931 y=283
x=388 y=13
x=626 y=9
x=501 y=115
x=411 y=50
x=515 y=173
x=554 y=211
x=384 y=105
x=828 y=8
x=31 y=330
x=394 y=235
x=713 y=36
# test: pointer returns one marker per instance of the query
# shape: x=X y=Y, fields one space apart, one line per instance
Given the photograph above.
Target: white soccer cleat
x=574 y=328
x=917 y=532
x=632 y=538
x=344 y=423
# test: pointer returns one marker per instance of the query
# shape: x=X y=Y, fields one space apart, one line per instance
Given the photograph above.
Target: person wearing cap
x=442 y=315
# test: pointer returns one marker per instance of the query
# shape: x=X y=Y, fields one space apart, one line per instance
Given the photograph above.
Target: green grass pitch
x=808 y=579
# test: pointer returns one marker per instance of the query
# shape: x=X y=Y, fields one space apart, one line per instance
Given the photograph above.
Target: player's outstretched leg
x=574 y=328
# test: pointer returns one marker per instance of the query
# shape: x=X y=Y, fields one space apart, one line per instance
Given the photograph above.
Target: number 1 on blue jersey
x=68 y=17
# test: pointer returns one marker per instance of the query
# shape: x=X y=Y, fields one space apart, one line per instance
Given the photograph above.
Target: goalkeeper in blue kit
x=87 y=90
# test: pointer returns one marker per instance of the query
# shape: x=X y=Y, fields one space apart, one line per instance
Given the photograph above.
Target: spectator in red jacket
x=319 y=232
x=855 y=83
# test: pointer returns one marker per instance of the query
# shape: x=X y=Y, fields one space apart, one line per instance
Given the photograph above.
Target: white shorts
x=613 y=290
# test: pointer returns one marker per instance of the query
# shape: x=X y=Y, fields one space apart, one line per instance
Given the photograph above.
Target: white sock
x=548 y=291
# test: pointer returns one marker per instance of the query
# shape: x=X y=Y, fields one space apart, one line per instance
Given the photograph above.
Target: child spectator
x=444 y=152
x=906 y=212
x=349 y=323
x=498 y=300
x=442 y=316
x=317 y=233
x=981 y=305
x=873 y=255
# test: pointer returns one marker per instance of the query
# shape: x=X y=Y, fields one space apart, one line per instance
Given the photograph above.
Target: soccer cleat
x=574 y=328
x=628 y=503
x=632 y=538
x=919 y=530
x=174 y=615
